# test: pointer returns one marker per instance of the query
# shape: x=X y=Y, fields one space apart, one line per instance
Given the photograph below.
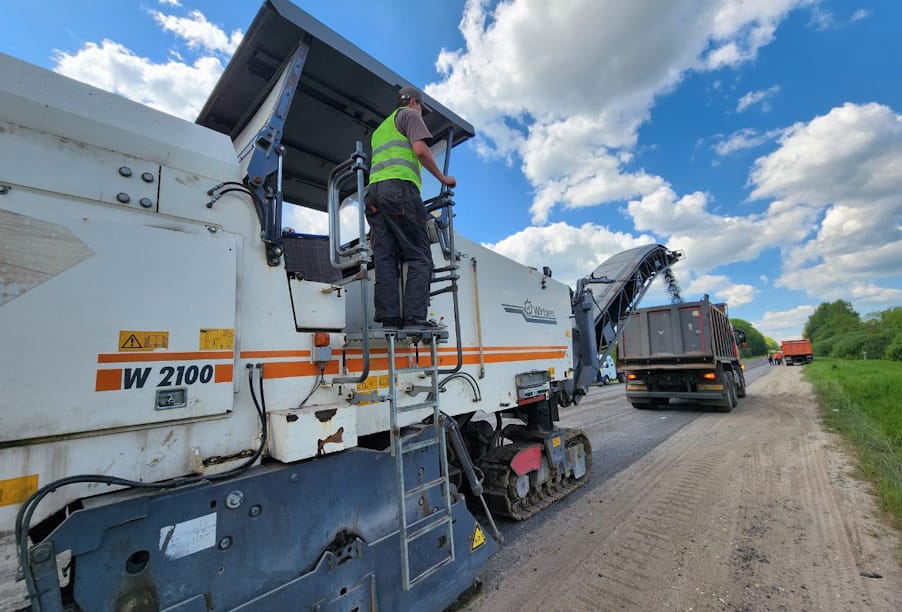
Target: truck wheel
x=740 y=389
x=641 y=405
x=730 y=392
x=607 y=380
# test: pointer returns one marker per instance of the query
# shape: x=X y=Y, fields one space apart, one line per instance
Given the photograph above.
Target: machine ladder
x=411 y=529
x=435 y=518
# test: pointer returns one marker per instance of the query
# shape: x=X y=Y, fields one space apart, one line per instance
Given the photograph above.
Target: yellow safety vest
x=393 y=156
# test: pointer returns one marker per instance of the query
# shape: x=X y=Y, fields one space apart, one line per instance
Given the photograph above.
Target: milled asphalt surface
x=620 y=435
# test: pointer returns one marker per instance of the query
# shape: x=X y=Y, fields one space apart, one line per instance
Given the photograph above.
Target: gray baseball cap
x=407 y=92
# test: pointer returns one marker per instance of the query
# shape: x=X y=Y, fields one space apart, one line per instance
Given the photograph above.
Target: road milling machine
x=198 y=412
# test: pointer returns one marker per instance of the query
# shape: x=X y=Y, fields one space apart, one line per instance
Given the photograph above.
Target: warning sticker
x=217 y=339
x=374 y=383
x=478 y=538
x=17 y=490
x=188 y=537
x=556 y=441
x=134 y=341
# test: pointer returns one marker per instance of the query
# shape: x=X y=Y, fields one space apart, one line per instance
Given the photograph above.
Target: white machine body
x=131 y=314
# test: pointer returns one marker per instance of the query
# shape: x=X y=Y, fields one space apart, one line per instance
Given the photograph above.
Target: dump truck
x=199 y=411
x=797 y=352
x=682 y=351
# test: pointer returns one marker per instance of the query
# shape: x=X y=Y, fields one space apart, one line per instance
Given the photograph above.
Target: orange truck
x=797 y=352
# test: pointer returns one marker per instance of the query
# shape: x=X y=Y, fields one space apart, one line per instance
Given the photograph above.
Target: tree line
x=836 y=330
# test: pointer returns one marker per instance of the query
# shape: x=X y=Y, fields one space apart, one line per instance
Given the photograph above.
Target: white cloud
x=176 y=86
x=847 y=164
x=198 y=32
x=308 y=221
x=861 y=14
x=784 y=324
x=746 y=138
x=171 y=2
x=721 y=288
x=569 y=111
x=710 y=240
x=173 y=87
x=571 y=252
x=821 y=19
x=762 y=96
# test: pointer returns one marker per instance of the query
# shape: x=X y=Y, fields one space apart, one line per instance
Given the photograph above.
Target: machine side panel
x=523 y=327
x=139 y=331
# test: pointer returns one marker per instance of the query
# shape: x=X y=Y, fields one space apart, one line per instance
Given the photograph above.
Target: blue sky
x=764 y=139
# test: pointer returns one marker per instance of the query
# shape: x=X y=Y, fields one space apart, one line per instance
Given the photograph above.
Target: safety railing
x=344 y=258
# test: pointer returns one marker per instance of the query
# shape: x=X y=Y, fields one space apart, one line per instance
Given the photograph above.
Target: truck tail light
x=710 y=376
x=321 y=339
x=632 y=376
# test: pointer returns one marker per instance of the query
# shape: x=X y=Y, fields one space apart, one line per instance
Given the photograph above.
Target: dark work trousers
x=397 y=221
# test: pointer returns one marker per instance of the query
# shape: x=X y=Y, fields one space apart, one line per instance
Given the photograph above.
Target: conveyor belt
x=604 y=300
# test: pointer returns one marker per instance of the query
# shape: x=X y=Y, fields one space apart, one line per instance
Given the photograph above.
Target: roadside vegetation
x=756 y=343
x=836 y=330
x=861 y=400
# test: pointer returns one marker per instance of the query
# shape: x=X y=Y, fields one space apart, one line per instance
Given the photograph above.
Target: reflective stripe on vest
x=393 y=156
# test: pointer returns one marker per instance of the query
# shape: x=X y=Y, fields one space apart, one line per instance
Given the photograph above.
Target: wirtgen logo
x=532 y=313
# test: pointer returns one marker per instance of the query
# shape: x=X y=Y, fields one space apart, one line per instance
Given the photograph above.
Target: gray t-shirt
x=410 y=123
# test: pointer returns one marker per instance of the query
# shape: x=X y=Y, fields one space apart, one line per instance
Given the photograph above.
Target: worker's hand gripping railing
x=444 y=224
x=344 y=258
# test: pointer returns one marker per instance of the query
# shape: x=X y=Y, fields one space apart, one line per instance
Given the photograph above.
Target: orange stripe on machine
x=164 y=356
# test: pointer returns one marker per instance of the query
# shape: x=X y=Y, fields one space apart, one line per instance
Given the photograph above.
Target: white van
x=607 y=373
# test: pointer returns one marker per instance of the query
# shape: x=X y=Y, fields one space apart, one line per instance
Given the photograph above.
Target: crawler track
x=500 y=492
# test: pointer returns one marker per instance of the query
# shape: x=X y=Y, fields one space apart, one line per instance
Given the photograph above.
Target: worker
x=396 y=214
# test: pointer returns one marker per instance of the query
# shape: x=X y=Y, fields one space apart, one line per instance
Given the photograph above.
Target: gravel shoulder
x=752 y=510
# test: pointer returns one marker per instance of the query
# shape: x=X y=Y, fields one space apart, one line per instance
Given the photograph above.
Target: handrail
x=445 y=202
x=355 y=166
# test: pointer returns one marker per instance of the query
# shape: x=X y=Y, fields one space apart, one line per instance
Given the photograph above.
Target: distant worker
x=396 y=214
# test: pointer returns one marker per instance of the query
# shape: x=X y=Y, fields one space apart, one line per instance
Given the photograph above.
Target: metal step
x=409 y=448
x=413 y=334
x=430 y=526
x=401 y=450
x=432 y=570
x=413 y=407
x=409 y=370
x=425 y=486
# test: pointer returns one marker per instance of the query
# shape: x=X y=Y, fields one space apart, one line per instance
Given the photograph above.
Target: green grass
x=862 y=400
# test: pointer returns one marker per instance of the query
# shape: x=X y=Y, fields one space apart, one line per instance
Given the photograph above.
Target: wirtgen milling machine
x=196 y=409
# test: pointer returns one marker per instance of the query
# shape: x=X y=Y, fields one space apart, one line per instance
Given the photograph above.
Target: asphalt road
x=620 y=435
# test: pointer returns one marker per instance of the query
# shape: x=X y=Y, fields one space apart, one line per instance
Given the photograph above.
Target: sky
x=761 y=138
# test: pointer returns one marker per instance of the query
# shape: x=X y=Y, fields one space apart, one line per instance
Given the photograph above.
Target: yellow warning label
x=478 y=538
x=370 y=384
x=143 y=340
x=556 y=441
x=217 y=339
x=373 y=383
x=17 y=490
x=551 y=373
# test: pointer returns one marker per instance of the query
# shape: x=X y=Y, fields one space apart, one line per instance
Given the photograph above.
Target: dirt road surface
x=751 y=510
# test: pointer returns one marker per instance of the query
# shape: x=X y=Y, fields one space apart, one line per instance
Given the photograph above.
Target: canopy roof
x=342 y=96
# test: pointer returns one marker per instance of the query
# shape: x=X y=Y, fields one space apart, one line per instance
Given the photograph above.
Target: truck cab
x=607 y=371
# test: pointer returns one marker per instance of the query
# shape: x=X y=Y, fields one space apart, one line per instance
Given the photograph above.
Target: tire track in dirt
x=744 y=511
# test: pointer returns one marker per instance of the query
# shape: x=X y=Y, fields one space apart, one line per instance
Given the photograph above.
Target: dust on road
x=751 y=510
